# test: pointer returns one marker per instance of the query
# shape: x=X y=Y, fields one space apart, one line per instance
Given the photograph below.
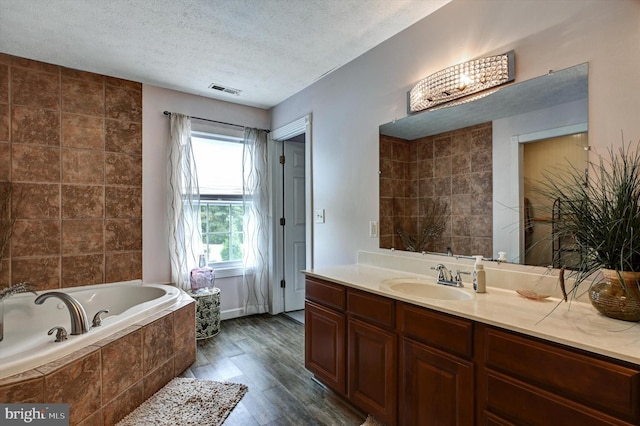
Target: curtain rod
x=216 y=121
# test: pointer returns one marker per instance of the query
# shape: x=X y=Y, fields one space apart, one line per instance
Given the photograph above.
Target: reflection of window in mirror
x=540 y=157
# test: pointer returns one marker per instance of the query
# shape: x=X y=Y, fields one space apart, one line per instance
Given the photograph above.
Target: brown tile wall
x=73 y=140
x=454 y=167
x=104 y=382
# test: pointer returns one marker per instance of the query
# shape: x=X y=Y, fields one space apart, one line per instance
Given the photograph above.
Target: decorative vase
x=611 y=299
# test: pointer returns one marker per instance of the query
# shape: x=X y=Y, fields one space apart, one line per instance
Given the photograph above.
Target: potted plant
x=600 y=210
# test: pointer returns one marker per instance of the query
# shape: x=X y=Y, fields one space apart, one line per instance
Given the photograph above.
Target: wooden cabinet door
x=324 y=351
x=437 y=388
x=372 y=381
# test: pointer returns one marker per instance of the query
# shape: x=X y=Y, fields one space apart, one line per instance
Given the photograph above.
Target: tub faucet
x=79 y=320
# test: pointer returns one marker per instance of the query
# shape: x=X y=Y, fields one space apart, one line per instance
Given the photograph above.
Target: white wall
x=155 y=140
x=349 y=104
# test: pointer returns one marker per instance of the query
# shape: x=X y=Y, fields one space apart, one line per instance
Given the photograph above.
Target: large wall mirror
x=461 y=179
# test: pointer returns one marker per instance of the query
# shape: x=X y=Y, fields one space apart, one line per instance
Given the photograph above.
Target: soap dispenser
x=479 y=279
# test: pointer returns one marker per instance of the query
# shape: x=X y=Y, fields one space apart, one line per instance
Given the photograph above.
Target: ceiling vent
x=221 y=88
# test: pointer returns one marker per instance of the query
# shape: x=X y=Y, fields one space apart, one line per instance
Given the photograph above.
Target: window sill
x=228 y=272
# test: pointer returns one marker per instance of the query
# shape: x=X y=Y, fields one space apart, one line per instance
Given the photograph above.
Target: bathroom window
x=222 y=233
x=219 y=166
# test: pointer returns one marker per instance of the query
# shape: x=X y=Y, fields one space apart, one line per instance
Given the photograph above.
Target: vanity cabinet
x=372 y=354
x=389 y=352
x=411 y=365
x=351 y=346
x=525 y=380
x=325 y=333
x=436 y=368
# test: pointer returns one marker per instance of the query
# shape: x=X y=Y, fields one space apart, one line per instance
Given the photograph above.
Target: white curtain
x=256 y=221
x=184 y=203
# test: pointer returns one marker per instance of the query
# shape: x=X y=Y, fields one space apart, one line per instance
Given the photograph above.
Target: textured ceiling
x=268 y=49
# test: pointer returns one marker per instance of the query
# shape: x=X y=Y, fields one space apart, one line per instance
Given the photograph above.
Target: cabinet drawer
x=326 y=293
x=522 y=403
x=436 y=329
x=379 y=310
x=593 y=381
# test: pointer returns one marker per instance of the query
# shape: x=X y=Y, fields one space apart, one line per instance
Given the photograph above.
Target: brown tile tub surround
x=73 y=139
x=104 y=382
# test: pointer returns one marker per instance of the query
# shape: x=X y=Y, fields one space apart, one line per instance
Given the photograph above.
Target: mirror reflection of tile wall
x=453 y=167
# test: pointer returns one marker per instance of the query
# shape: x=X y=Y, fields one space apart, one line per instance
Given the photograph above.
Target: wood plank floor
x=266 y=353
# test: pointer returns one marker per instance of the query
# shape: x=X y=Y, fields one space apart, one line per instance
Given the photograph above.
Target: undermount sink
x=425 y=289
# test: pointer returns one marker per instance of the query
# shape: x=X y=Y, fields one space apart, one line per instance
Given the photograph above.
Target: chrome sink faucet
x=445 y=276
x=79 y=320
x=443 y=273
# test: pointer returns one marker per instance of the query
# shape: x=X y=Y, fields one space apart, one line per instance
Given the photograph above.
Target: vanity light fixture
x=462 y=80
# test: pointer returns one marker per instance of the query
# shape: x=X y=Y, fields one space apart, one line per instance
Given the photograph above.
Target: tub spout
x=79 y=320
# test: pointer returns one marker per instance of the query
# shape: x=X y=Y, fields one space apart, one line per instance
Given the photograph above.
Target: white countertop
x=575 y=324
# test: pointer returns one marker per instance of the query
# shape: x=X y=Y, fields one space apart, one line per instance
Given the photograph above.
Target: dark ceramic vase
x=611 y=299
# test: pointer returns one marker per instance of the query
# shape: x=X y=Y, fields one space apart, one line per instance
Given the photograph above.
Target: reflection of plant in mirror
x=602 y=214
x=431 y=224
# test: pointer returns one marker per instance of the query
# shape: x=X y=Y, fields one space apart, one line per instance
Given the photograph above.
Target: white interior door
x=294 y=228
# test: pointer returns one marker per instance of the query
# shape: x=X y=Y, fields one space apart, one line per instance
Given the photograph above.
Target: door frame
x=517 y=149
x=288 y=131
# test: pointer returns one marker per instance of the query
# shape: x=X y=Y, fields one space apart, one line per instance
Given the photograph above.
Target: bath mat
x=372 y=421
x=186 y=401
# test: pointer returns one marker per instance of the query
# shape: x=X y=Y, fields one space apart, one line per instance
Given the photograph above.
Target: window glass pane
x=236 y=218
x=219 y=218
x=219 y=167
x=222 y=231
x=210 y=216
x=203 y=220
x=218 y=250
x=236 y=246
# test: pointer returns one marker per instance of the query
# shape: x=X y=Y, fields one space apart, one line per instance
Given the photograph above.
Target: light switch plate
x=319 y=215
x=373 y=229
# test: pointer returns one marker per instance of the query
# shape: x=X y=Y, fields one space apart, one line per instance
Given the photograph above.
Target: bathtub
x=26 y=344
